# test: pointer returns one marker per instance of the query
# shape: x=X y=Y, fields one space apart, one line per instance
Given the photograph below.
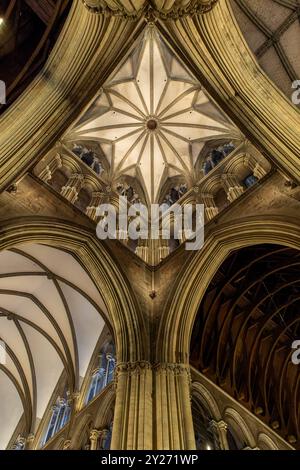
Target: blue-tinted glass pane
x=250 y=181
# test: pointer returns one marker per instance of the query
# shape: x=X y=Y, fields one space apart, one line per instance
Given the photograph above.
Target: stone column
x=97 y=199
x=173 y=421
x=132 y=429
x=211 y=209
x=102 y=438
x=163 y=249
x=232 y=187
x=219 y=430
x=29 y=442
x=71 y=190
x=47 y=172
x=153 y=407
x=258 y=171
x=94 y=437
x=142 y=250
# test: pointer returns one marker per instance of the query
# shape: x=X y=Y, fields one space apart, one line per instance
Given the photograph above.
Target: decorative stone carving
x=30 y=442
x=91 y=210
x=71 y=190
x=210 y=207
x=232 y=187
x=47 y=172
x=94 y=437
x=219 y=430
x=258 y=171
x=172 y=9
x=66 y=444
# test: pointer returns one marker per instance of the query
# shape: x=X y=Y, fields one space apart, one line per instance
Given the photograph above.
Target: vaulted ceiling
x=152 y=119
x=272 y=30
x=50 y=322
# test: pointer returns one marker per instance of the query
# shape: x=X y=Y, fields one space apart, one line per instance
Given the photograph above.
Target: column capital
x=29 y=441
x=67 y=444
x=95 y=434
x=132 y=367
x=220 y=425
x=176 y=369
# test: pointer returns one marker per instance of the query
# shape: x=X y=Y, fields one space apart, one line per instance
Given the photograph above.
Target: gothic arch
x=265 y=442
x=123 y=312
x=83 y=426
x=203 y=396
x=238 y=424
x=105 y=411
x=184 y=300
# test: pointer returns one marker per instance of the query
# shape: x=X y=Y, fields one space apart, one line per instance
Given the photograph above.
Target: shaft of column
x=94 y=437
x=219 y=430
x=153 y=407
x=132 y=429
x=174 y=423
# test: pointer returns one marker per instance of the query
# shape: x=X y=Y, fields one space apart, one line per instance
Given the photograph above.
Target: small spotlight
x=208 y=447
x=1 y=21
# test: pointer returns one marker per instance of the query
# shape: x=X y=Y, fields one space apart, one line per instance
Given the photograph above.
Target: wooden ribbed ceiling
x=243 y=335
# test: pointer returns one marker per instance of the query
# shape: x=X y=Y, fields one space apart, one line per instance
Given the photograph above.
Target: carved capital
x=175 y=369
x=132 y=367
x=95 y=434
x=67 y=444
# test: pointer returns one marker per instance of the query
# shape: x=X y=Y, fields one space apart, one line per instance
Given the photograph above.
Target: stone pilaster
x=72 y=188
x=153 y=251
x=210 y=207
x=96 y=200
x=258 y=171
x=47 y=172
x=232 y=187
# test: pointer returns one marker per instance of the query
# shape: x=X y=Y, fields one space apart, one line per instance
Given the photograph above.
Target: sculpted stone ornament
x=174 y=10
